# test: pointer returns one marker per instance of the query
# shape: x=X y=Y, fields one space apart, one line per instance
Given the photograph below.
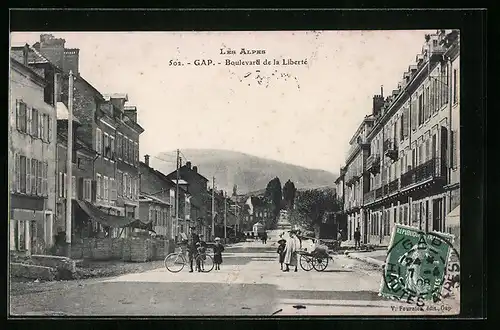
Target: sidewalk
x=375 y=258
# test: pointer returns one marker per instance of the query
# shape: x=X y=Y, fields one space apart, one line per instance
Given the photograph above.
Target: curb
x=368 y=260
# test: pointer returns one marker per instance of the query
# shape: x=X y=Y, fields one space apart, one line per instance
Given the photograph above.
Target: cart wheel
x=320 y=264
x=306 y=262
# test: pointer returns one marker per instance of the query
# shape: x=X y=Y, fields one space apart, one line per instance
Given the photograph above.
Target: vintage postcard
x=270 y=173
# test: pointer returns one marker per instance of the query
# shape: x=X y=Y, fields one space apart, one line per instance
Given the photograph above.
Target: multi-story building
x=200 y=200
x=108 y=125
x=32 y=153
x=414 y=146
x=157 y=200
x=356 y=178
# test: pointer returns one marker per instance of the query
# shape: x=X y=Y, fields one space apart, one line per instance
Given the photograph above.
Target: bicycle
x=175 y=262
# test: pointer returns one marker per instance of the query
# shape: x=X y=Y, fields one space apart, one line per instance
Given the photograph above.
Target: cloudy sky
x=303 y=114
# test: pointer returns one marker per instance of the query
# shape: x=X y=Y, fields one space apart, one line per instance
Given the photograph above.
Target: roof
x=34 y=75
x=63 y=112
x=110 y=96
x=144 y=197
x=184 y=167
x=162 y=177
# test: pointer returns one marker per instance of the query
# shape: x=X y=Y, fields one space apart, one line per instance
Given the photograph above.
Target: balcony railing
x=431 y=169
x=393 y=186
x=379 y=193
x=391 y=149
x=369 y=196
x=373 y=164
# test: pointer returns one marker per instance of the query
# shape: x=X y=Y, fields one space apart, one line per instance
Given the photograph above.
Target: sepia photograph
x=234 y=173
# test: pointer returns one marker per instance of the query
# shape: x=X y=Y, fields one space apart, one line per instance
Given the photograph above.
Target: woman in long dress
x=291 y=252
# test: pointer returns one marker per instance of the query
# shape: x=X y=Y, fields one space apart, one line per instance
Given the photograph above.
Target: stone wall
x=32 y=271
x=135 y=249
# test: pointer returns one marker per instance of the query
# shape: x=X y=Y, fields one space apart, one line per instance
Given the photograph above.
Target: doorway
x=437 y=214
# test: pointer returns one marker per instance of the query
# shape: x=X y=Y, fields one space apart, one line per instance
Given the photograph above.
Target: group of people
x=196 y=247
x=287 y=250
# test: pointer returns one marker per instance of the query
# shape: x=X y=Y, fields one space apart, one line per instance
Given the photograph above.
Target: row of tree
x=306 y=209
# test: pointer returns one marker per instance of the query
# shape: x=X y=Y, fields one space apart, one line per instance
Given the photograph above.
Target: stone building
x=32 y=154
x=414 y=153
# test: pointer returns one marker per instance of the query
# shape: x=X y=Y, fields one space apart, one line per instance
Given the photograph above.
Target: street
x=249 y=283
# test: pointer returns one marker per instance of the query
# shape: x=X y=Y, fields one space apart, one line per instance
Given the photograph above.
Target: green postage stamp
x=416 y=265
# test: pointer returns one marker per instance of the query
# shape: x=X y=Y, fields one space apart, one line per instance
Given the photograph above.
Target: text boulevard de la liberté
x=204 y=62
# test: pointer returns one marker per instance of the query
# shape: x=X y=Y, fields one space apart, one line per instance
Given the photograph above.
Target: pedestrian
x=339 y=237
x=264 y=237
x=291 y=251
x=281 y=252
x=357 y=239
x=201 y=256
x=218 y=249
x=192 y=247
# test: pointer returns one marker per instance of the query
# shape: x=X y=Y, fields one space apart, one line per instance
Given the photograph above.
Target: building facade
x=32 y=155
x=414 y=146
x=356 y=179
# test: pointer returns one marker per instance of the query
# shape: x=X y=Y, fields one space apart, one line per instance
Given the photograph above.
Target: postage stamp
x=420 y=268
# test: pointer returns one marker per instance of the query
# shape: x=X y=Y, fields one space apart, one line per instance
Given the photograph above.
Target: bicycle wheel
x=320 y=264
x=174 y=262
x=206 y=264
x=306 y=262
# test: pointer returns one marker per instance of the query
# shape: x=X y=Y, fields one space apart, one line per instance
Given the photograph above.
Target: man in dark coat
x=357 y=239
x=192 y=247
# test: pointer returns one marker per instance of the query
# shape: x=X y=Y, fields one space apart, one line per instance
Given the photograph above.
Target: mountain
x=249 y=173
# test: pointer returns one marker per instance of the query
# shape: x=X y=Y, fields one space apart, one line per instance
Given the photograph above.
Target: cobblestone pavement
x=249 y=283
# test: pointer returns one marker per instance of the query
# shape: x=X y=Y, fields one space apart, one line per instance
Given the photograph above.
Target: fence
x=135 y=249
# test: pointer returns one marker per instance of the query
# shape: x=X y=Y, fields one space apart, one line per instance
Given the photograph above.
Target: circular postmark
x=420 y=266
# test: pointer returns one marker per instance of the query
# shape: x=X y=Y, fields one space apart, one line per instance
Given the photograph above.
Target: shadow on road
x=331 y=295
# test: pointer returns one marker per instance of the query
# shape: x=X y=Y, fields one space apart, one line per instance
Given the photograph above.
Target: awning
x=109 y=220
x=453 y=218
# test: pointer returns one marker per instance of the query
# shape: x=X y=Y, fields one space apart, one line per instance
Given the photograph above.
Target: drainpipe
x=450 y=104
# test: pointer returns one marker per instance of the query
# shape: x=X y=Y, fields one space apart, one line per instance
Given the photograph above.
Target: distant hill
x=249 y=173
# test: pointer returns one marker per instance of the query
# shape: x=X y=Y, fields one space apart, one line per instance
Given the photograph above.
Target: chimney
x=26 y=51
x=188 y=165
x=195 y=169
x=71 y=60
x=131 y=112
x=378 y=102
x=53 y=49
x=382 y=90
x=146 y=160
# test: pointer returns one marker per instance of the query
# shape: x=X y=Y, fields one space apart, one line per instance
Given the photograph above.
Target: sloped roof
x=63 y=112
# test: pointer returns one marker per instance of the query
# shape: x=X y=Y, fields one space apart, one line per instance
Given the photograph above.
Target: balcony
x=369 y=196
x=434 y=168
x=379 y=193
x=373 y=164
x=391 y=149
x=393 y=186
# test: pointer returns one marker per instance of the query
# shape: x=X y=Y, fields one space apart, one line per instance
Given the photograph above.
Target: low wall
x=32 y=271
x=59 y=263
x=135 y=249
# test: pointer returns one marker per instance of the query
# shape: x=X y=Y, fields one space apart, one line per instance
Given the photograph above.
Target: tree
x=273 y=195
x=289 y=192
x=311 y=206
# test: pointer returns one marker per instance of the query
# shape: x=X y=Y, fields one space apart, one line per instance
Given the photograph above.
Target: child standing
x=200 y=249
x=281 y=252
x=218 y=249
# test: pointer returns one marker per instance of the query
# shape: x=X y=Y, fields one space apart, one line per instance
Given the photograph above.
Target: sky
x=303 y=114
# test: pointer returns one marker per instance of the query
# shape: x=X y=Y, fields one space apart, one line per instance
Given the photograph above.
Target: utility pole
x=69 y=165
x=177 y=194
x=213 y=206
x=225 y=218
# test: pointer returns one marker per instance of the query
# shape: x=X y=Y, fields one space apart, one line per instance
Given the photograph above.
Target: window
x=112 y=145
x=49 y=128
x=98 y=141
x=87 y=189
x=99 y=192
x=21 y=182
x=420 y=109
x=119 y=182
x=106 y=189
x=21 y=117
x=444 y=87
x=60 y=184
x=427 y=103
x=43 y=127
x=125 y=188
x=39 y=178
x=414 y=113
x=130 y=151
x=119 y=146
x=125 y=149
x=45 y=172
x=455 y=89
x=454 y=148
x=130 y=187
x=106 y=145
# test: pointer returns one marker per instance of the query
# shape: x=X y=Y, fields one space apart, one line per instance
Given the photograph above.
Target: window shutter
x=18 y=121
x=17 y=173
x=49 y=128
x=93 y=191
x=80 y=186
x=29 y=115
x=28 y=176
x=45 y=174
x=39 y=180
